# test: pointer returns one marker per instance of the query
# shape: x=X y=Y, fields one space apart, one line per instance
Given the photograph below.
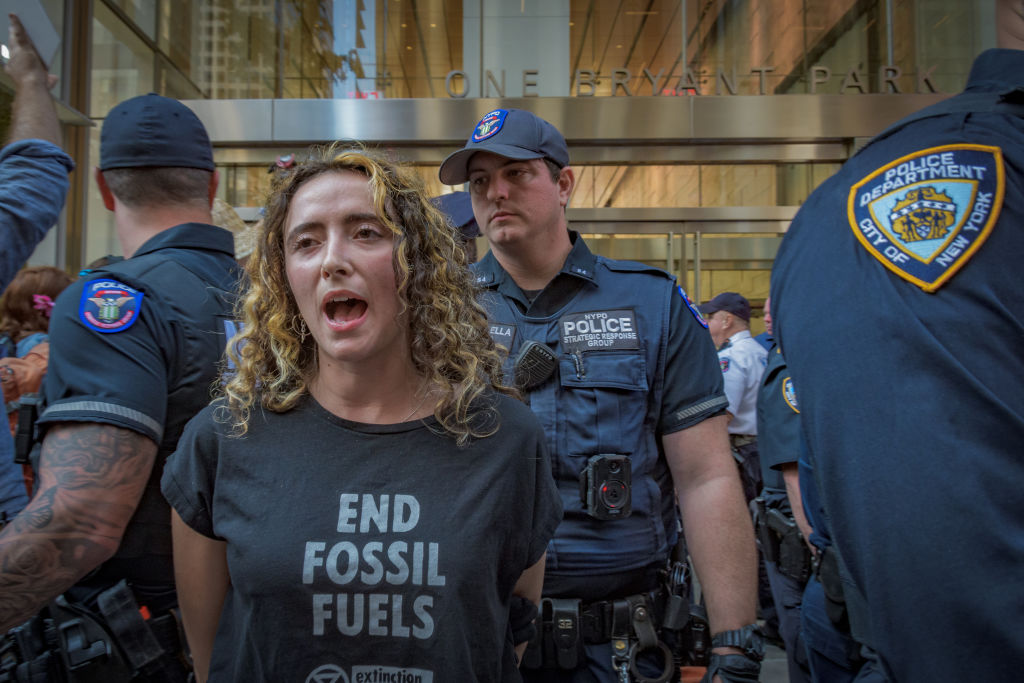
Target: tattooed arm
x=91 y=477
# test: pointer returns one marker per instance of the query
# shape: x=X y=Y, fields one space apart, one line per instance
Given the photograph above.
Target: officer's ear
x=214 y=182
x=108 y=196
x=566 y=182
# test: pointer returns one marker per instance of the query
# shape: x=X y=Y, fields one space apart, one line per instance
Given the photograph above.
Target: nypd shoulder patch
x=724 y=364
x=789 y=394
x=109 y=306
x=924 y=215
x=692 y=307
x=490 y=124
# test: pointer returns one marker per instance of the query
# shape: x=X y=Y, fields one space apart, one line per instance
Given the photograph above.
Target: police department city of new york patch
x=109 y=306
x=724 y=364
x=789 y=394
x=924 y=215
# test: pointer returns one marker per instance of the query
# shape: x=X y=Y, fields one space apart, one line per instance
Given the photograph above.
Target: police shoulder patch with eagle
x=109 y=306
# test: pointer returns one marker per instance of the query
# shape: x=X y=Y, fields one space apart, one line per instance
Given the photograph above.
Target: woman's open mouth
x=344 y=309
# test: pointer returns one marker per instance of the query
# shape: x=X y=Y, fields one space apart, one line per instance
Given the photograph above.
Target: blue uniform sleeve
x=778 y=428
x=693 y=379
x=33 y=185
x=117 y=378
x=189 y=478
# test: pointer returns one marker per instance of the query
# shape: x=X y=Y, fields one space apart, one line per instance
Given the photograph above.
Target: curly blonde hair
x=275 y=358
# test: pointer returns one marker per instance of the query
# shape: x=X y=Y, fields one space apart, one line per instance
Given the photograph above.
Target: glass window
x=697 y=185
x=122 y=64
x=173 y=83
x=140 y=12
x=100 y=237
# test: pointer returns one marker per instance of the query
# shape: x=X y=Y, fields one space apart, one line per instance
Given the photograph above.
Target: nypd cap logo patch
x=693 y=309
x=109 y=306
x=489 y=125
x=789 y=394
x=924 y=215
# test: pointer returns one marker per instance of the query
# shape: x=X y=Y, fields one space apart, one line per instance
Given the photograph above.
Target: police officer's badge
x=109 y=306
x=489 y=125
x=924 y=215
x=789 y=394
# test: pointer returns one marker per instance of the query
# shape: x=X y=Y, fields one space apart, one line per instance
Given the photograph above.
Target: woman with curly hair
x=366 y=497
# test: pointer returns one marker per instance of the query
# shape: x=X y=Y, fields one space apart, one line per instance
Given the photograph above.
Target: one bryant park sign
x=891 y=79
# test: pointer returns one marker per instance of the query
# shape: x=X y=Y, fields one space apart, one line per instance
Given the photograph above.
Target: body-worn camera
x=605 y=486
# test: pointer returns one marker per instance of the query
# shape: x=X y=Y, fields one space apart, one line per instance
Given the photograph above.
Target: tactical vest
x=193 y=293
x=603 y=398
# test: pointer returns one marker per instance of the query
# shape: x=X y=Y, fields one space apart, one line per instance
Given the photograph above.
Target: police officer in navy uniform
x=135 y=347
x=899 y=303
x=780 y=521
x=617 y=364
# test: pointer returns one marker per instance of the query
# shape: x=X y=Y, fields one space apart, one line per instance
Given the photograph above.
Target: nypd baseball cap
x=152 y=130
x=510 y=133
x=730 y=302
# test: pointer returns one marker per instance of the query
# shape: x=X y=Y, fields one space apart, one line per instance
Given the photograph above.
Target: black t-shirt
x=381 y=550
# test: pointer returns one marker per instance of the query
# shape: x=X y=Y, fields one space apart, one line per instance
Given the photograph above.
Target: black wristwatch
x=748 y=639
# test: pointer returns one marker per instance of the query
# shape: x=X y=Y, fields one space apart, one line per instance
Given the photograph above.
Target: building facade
x=697 y=127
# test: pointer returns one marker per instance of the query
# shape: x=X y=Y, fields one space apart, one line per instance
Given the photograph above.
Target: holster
x=768 y=541
x=781 y=541
x=25 y=433
x=71 y=643
x=832 y=585
x=794 y=556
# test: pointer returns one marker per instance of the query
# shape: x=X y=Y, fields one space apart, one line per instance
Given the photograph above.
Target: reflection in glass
x=122 y=64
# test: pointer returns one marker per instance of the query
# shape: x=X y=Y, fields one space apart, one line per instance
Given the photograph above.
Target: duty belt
x=629 y=624
x=738 y=440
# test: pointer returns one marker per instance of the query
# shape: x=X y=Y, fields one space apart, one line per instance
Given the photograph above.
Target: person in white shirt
x=743 y=361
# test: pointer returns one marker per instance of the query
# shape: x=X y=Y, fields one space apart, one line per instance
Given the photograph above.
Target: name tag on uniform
x=599 y=331
x=924 y=215
x=503 y=334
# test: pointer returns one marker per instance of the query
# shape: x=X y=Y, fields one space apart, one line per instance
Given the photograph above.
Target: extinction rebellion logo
x=924 y=215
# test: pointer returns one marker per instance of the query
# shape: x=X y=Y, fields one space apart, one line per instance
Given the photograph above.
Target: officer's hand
x=25 y=65
x=732 y=669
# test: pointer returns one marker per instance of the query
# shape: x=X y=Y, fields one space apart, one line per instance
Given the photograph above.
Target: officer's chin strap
x=631 y=617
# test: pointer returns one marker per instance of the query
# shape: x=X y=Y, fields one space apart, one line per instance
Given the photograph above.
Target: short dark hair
x=554 y=168
x=159 y=186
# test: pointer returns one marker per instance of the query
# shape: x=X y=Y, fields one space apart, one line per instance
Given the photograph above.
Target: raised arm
x=33 y=113
x=33 y=175
x=91 y=477
x=201 y=574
